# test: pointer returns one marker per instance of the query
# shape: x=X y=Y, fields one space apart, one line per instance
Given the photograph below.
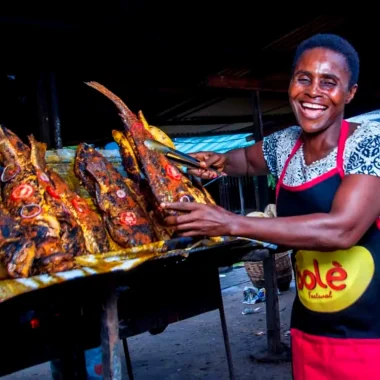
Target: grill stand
x=225 y=334
x=103 y=310
x=128 y=359
x=225 y=338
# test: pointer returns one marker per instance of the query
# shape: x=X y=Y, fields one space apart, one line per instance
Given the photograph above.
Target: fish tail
x=126 y=114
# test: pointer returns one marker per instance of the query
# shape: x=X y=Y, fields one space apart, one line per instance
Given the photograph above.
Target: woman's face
x=319 y=89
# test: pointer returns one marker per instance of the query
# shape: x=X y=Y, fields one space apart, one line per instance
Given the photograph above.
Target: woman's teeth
x=313 y=106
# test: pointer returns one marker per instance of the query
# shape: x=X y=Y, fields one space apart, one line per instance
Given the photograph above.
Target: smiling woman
x=328 y=209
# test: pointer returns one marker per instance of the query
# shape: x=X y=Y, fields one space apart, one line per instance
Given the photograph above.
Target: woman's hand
x=208 y=159
x=201 y=220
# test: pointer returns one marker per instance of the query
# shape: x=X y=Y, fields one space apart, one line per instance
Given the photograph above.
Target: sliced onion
x=32 y=211
x=65 y=209
x=44 y=177
x=185 y=198
x=121 y=193
x=9 y=172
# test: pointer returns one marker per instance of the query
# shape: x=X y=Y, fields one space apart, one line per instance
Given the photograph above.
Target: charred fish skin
x=18 y=257
x=24 y=197
x=139 y=185
x=17 y=252
x=167 y=183
x=129 y=159
x=80 y=170
x=71 y=235
x=92 y=226
x=126 y=221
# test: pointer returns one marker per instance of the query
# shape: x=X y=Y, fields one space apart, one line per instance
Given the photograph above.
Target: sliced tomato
x=80 y=205
x=52 y=192
x=23 y=191
x=128 y=218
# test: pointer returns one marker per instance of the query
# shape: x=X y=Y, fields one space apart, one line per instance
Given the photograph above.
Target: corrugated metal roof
x=219 y=144
x=224 y=143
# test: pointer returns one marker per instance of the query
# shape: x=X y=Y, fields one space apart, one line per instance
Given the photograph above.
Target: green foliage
x=271 y=181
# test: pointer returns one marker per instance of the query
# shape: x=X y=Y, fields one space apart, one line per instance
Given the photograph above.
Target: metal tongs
x=177 y=157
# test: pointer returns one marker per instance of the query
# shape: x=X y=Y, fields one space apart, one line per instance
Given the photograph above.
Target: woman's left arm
x=355 y=208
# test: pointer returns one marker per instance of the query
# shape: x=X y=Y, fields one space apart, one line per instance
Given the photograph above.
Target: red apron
x=335 y=322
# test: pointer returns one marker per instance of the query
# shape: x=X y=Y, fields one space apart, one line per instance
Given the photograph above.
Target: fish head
x=12 y=150
x=19 y=257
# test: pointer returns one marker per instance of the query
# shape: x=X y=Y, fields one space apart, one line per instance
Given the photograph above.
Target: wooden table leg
x=110 y=338
x=277 y=351
x=272 y=309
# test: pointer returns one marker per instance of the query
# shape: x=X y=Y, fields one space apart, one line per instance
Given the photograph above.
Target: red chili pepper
x=172 y=172
x=52 y=192
x=23 y=191
x=79 y=205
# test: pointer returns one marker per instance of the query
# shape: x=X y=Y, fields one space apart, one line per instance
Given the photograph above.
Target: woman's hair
x=334 y=43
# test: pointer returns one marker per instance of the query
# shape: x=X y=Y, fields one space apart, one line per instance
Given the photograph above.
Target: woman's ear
x=351 y=93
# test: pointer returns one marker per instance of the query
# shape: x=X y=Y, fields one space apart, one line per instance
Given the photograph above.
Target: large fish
x=126 y=221
x=24 y=197
x=168 y=184
x=94 y=232
x=139 y=185
x=71 y=234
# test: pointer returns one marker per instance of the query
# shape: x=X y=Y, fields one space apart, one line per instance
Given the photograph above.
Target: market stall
x=85 y=258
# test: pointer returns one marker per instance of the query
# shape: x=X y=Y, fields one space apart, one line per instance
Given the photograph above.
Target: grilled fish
x=71 y=234
x=140 y=187
x=166 y=181
x=94 y=233
x=126 y=222
x=24 y=197
x=17 y=252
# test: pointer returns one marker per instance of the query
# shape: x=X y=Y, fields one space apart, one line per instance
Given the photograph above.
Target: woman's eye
x=304 y=80
x=328 y=83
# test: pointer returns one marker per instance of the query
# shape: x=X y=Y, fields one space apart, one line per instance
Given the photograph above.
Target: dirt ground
x=194 y=348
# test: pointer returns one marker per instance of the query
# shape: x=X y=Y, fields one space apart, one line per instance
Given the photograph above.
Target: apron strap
x=340 y=153
x=293 y=152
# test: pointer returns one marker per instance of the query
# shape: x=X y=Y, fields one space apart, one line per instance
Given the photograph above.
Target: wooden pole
x=273 y=314
x=270 y=276
x=55 y=119
x=261 y=186
x=43 y=110
x=241 y=194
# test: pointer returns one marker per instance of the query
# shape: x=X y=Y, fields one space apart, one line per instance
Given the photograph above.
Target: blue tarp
x=223 y=143
x=217 y=143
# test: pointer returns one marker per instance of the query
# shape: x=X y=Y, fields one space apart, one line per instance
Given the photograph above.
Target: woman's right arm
x=237 y=162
